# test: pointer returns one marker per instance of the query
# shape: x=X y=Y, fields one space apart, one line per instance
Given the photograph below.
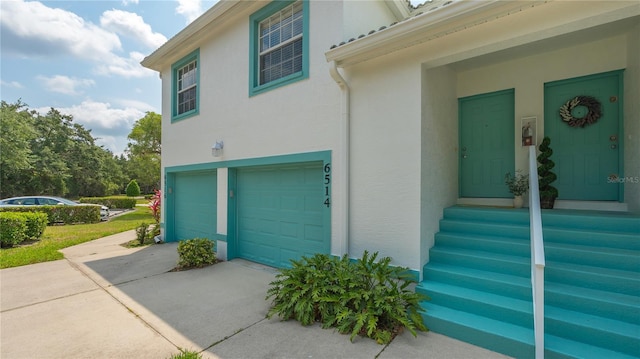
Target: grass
x=186 y=354
x=59 y=237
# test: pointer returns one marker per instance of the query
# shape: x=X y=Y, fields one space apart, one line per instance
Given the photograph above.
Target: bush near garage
x=61 y=214
x=16 y=227
x=196 y=253
x=365 y=297
x=120 y=202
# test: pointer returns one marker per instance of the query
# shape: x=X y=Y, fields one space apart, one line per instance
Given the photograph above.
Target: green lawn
x=58 y=237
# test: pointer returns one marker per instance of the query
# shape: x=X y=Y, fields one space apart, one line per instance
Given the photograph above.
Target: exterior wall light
x=216 y=149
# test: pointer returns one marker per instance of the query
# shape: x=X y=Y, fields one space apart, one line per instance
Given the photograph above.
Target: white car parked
x=50 y=201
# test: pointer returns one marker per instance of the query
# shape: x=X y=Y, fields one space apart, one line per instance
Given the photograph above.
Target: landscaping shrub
x=194 y=253
x=36 y=223
x=133 y=189
x=61 y=214
x=365 y=297
x=142 y=233
x=13 y=228
x=120 y=202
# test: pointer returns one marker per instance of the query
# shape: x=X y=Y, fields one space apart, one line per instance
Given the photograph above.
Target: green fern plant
x=368 y=297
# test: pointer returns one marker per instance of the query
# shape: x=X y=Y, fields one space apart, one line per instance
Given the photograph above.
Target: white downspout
x=345 y=154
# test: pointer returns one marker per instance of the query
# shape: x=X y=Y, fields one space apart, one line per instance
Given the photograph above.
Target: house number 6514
x=327 y=182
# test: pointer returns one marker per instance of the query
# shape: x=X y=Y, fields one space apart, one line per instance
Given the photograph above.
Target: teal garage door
x=281 y=213
x=195 y=205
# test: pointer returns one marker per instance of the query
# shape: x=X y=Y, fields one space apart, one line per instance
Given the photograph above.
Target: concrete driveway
x=107 y=301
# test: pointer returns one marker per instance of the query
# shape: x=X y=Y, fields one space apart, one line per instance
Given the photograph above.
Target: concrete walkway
x=107 y=301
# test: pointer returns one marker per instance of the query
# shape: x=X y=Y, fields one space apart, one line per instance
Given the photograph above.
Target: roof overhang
x=460 y=15
x=194 y=34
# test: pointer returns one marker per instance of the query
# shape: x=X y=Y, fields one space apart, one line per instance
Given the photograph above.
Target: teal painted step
x=627 y=241
x=616 y=306
x=509 y=285
x=494 y=262
x=615 y=281
x=601 y=221
x=480 y=264
x=602 y=332
x=510 y=339
x=504 y=245
x=493 y=306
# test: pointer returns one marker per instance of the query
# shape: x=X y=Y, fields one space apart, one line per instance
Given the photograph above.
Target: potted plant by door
x=548 y=193
x=518 y=185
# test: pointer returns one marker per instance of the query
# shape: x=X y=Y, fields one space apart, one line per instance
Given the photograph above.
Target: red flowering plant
x=155 y=206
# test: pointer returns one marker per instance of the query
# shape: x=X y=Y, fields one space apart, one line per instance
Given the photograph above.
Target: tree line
x=51 y=155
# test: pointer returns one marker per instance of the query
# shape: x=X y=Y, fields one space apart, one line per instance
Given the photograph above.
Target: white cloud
x=130 y=24
x=127 y=2
x=190 y=9
x=125 y=67
x=55 y=30
x=14 y=84
x=65 y=85
x=33 y=29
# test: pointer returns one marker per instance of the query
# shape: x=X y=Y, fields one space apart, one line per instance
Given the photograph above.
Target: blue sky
x=83 y=58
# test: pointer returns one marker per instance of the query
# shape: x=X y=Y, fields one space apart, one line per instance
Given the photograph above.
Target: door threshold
x=592 y=205
x=487 y=202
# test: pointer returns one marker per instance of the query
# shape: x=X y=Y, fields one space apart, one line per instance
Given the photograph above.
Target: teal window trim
x=195 y=55
x=254 y=57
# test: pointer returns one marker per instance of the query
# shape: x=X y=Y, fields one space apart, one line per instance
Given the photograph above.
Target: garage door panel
x=280 y=213
x=195 y=205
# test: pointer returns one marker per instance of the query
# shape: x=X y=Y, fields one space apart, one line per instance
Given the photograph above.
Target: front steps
x=478 y=278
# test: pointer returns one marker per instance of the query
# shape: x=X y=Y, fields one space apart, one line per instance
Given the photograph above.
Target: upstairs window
x=186 y=89
x=279 y=44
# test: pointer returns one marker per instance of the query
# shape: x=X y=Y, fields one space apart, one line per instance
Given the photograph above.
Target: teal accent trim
x=220 y=237
x=324 y=156
x=254 y=58
x=195 y=55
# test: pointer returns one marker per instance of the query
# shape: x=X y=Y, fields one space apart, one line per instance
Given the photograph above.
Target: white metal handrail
x=537 y=254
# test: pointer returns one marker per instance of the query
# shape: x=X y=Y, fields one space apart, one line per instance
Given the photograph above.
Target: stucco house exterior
x=297 y=127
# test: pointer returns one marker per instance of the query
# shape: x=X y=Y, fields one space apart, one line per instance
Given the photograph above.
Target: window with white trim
x=279 y=44
x=185 y=91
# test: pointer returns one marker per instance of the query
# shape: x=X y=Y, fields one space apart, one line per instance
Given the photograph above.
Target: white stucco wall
x=297 y=118
x=362 y=16
x=439 y=165
x=385 y=160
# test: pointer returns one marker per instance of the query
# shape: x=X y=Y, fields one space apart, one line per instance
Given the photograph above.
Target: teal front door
x=587 y=158
x=486 y=144
x=281 y=213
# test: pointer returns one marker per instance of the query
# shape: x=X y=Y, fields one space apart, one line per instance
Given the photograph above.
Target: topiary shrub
x=366 y=297
x=133 y=189
x=196 y=253
x=548 y=193
x=13 y=228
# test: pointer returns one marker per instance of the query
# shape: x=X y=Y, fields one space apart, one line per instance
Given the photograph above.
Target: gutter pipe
x=345 y=154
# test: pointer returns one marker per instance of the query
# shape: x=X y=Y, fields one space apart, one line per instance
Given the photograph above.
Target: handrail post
x=537 y=255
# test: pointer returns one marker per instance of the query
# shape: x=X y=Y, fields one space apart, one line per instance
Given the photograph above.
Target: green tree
x=16 y=157
x=144 y=151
